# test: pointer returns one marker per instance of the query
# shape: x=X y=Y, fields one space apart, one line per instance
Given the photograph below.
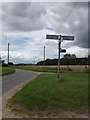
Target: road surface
x=9 y=82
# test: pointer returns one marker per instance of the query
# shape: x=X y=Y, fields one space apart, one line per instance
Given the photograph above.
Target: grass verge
x=47 y=93
x=7 y=70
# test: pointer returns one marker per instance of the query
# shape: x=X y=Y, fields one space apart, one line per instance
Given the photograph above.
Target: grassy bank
x=6 y=70
x=47 y=93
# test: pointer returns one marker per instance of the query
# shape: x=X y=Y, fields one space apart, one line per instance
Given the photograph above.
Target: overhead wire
x=70 y=12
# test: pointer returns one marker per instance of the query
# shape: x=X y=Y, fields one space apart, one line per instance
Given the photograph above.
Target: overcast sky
x=26 y=24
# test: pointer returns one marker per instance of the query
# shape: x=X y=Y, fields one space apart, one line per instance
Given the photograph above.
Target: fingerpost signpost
x=60 y=38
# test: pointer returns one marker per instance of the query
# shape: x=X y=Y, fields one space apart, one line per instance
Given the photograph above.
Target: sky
x=25 y=25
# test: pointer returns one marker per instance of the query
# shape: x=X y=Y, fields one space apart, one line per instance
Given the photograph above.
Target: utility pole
x=8 y=53
x=44 y=56
x=59 y=48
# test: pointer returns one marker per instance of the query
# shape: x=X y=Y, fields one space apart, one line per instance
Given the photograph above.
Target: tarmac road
x=9 y=82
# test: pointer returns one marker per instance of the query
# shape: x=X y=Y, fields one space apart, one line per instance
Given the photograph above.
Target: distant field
x=46 y=93
x=6 y=70
x=54 y=69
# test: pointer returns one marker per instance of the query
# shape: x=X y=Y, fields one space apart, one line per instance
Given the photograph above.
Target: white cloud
x=80 y=52
x=45 y=1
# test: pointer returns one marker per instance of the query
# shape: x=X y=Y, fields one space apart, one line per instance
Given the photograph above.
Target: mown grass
x=6 y=70
x=47 y=93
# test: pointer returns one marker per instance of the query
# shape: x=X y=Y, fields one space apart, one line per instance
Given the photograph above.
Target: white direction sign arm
x=58 y=37
x=68 y=37
x=52 y=37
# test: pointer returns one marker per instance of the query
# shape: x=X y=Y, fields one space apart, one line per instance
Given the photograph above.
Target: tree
x=73 y=56
x=69 y=56
x=10 y=63
x=88 y=59
x=1 y=61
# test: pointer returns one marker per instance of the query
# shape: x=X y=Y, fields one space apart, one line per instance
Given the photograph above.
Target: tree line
x=68 y=59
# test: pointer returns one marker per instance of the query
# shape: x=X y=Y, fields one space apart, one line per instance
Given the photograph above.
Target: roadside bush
x=4 y=65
